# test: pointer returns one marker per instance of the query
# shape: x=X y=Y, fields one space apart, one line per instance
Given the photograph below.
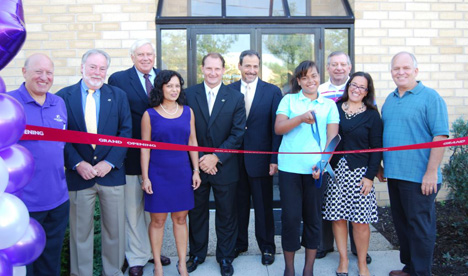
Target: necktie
x=248 y=100
x=90 y=114
x=148 y=84
x=211 y=100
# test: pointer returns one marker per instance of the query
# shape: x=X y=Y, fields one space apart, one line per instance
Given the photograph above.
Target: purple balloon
x=20 y=164
x=29 y=247
x=12 y=120
x=12 y=30
x=2 y=86
x=6 y=268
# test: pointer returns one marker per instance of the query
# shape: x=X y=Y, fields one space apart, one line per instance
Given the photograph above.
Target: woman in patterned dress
x=352 y=197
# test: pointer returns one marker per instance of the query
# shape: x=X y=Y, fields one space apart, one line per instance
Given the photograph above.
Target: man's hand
x=429 y=183
x=380 y=174
x=86 y=171
x=102 y=168
x=208 y=163
x=273 y=168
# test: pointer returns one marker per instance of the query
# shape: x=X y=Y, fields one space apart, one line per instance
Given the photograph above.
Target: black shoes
x=193 y=263
x=322 y=254
x=164 y=261
x=268 y=257
x=226 y=268
x=237 y=251
x=368 y=258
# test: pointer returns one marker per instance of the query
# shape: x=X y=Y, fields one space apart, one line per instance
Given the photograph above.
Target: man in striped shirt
x=338 y=67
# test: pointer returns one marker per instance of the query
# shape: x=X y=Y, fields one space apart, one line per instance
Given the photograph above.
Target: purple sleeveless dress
x=170 y=171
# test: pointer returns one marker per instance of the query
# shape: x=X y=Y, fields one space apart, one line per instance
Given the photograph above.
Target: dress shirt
x=141 y=77
x=215 y=91
x=331 y=91
x=96 y=96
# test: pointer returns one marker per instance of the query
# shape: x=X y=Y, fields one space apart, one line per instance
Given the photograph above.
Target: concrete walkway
x=384 y=258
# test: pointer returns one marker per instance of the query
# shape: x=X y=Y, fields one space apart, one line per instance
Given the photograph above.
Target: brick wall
x=436 y=31
x=65 y=29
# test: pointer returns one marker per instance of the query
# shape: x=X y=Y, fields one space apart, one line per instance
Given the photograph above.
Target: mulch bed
x=451 y=249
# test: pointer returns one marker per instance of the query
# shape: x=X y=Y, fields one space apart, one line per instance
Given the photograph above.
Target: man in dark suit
x=93 y=170
x=137 y=83
x=257 y=170
x=219 y=122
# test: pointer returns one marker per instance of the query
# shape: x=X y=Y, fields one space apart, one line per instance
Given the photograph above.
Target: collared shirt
x=417 y=117
x=96 y=96
x=215 y=91
x=331 y=91
x=142 y=79
x=253 y=87
x=47 y=188
x=300 y=139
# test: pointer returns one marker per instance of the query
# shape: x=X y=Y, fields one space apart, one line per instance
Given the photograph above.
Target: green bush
x=97 y=261
x=455 y=172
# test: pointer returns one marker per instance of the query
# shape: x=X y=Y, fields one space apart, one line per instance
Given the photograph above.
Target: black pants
x=260 y=189
x=225 y=221
x=415 y=224
x=300 y=200
x=55 y=223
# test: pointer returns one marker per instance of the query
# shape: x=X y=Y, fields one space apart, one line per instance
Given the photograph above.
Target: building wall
x=436 y=31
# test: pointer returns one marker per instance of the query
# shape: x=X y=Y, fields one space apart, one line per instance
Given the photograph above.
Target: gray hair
x=338 y=53
x=94 y=52
x=415 y=62
x=248 y=53
x=137 y=44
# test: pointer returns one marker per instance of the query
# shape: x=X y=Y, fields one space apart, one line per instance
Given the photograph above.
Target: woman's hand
x=366 y=185
x=307 y=117
x=196 y=180
x=315 y=172
x=146 y=186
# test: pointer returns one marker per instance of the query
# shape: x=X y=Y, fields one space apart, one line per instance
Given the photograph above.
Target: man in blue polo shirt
x=46 y=194
x=413 y=114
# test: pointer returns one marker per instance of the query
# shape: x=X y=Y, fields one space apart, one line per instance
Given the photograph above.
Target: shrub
x=455 y=172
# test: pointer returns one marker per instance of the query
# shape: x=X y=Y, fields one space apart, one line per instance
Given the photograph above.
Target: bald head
x=38 y=73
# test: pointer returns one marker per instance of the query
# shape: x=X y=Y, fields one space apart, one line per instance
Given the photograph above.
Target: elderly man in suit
x=93 y=170
x=220 y=122
x=137 y=82
x=257 y=170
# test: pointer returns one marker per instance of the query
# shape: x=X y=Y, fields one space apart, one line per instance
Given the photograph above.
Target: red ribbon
x=78 y=137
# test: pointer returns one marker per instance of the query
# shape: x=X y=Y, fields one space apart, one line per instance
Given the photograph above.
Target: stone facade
x=436 y=31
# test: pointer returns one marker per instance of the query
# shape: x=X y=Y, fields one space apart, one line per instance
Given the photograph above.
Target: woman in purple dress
x=168 y=178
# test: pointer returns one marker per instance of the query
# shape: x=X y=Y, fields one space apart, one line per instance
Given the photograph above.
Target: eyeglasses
x=359 y=88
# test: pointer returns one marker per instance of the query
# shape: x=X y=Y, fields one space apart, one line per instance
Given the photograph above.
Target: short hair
x=28 y=59
x=248 y=53
x=94 y=52
x=213 y=55
x=141 y=42
x=338 y=53
x=415 y=62
x=162 y=78
x=300 y=71
x=369 y=99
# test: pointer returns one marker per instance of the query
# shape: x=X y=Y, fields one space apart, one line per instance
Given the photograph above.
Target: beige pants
x=137 y=245
x=82 y=229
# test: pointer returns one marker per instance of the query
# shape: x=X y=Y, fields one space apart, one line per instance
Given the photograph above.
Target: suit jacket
x=129 y=82
x=223 y=129
x=114 y=119
x=260 y=128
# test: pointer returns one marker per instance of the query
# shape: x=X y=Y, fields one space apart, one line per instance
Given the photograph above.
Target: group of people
x=138 y=188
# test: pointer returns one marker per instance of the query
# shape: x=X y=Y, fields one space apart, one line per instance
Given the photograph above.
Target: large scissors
x=323 y=165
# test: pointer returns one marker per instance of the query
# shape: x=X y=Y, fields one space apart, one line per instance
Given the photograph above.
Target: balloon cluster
x=22 y=239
